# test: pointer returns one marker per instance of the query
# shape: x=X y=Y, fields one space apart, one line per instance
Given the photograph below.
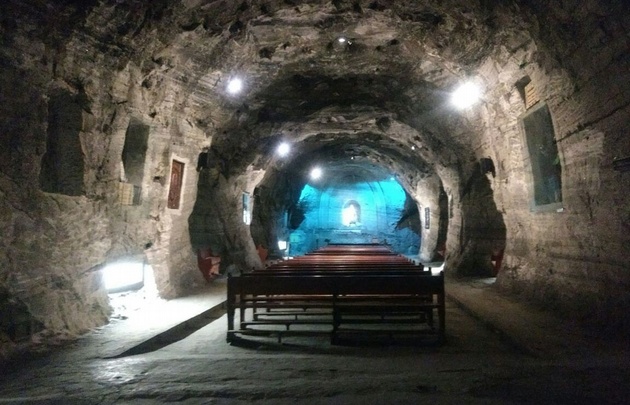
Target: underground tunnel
x=174 y=143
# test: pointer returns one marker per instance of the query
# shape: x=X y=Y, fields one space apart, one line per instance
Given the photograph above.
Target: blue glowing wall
x=373 y=211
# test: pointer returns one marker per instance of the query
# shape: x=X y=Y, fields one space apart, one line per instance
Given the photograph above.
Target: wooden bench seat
x=340 y=272
x=385 y=298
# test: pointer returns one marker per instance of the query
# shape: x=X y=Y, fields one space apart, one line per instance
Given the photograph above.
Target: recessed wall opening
x=130 y=285
x=63 y=163
x=123 y=276
x=134 y=156
x=544 y=158
x=351 y=214
x=520 y=86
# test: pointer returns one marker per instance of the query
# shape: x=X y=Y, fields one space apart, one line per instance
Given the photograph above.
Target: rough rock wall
x=273 y=198
x=217 y=220
x=49 y=261
x=80 y=75
x=66 y=104
x=575 y=259
x=427 y=194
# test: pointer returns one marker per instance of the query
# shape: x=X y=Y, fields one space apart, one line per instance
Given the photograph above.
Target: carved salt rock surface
x=167 y=64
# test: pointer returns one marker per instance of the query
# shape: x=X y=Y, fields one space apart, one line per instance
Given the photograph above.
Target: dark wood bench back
x=325 y=284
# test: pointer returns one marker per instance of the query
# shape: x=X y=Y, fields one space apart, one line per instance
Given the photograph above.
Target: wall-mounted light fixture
x=344 y=41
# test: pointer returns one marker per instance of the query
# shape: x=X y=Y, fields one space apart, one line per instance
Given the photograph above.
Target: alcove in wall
x=546 y=185
x=63 y=164
x=133 y=159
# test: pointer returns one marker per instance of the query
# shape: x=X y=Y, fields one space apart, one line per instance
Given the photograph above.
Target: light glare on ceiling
x=235 y=86
x=283 y=149
x=316 y=173
x=466 y=95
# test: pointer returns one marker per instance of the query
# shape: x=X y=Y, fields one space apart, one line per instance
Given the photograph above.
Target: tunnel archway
x=386 y=90
x=289 y=204
x=378 y=203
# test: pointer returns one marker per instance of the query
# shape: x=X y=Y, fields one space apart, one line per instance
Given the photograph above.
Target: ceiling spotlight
x=235 y=86
x=316 y=173
x=343 y=41
x=466 y=95
x=283 y=149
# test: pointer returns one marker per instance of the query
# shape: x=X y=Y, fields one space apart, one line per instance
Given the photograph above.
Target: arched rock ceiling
x=401 y=59
x=330 y=136
x=372 y=155
x=404 y=58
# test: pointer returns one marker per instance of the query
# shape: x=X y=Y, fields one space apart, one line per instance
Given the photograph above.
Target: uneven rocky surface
x=101 y=97
x=476 y=365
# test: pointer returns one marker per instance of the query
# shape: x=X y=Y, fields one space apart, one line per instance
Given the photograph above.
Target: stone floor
x=498 y=351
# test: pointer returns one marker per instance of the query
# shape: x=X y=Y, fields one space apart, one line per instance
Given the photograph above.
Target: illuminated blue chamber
x=362 y=212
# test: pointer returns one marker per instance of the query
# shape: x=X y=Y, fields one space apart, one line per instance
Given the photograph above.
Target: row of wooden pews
x=344 y=291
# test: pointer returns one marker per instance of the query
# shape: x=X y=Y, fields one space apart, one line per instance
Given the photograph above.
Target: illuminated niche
x=351 y=214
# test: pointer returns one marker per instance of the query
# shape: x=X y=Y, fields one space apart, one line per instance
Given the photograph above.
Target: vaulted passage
x=194 y=139
x=348 y=203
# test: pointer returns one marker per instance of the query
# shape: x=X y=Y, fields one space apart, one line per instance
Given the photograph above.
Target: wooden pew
x=348 y=249
x=349 y=260
x=304 y=302
x=342 y=299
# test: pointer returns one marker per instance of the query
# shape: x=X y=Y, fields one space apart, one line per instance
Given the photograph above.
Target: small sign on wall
x=128 y=194
x=125 y=193
x=427 y=218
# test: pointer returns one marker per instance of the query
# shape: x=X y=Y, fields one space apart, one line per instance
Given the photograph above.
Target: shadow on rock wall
x=483 y=231
x=216 y=222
